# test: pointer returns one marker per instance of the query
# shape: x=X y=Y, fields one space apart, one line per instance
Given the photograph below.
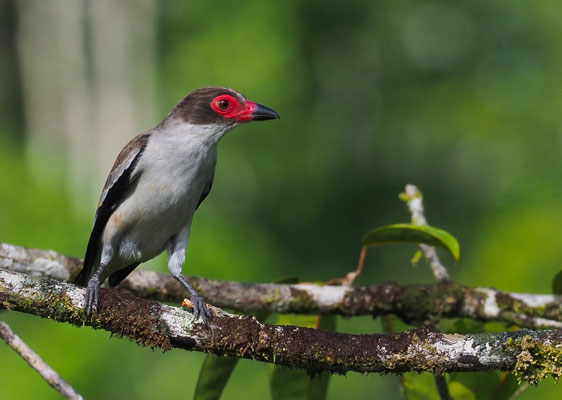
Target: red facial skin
x=240 y=112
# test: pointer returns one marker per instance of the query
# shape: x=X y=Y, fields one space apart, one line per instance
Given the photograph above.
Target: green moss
x=300 y=300
x=152 y=293
x=305 y=300
x=272 y=299
x=405 y=360
x=508 y=304
x=187 y=324
x=60 y=306
x=535 y=360
x=425 y=305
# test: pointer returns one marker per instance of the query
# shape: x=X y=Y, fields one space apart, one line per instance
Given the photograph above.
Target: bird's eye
x=223 y=104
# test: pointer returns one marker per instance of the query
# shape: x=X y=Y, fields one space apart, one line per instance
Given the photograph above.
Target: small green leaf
x=215 y=371
x=416 y=258
x=213 y=376
x=409 y=233
x=419 y=386
x=460 y=392
x=423 y=387
x=557 y=283
x=486 y=385
x=286 y=383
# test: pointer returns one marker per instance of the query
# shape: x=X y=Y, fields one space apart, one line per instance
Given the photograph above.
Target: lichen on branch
x=416 y=304
x=159 y=325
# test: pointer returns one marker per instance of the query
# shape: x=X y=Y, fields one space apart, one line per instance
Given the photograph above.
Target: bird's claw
x=200 y=308
x=92 y=297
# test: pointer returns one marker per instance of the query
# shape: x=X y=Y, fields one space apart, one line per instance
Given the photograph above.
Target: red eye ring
x=223 y=104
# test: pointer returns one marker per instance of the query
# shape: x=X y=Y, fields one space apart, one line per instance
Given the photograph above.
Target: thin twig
x=520 y=390
x=33 y=359
x=414 y=199
x=351 y=276
x=502 y=381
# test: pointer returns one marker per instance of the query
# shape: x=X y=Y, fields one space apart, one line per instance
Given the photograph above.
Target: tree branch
x=33 y=359
x=531 y=354
x=415 y=304
x=414 y=199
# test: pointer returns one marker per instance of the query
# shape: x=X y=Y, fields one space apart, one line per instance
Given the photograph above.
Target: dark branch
x=416 y=304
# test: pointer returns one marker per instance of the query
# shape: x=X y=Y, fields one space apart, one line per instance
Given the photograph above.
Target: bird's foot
x=200 y=308
x=92 y=296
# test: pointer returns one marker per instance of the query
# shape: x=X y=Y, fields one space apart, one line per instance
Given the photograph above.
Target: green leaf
x=215 y=371
x=286 y=383
x=557 y=283
x=409 y=233
x=416 y=258
x=460 y=392
x=487 y=385
x=423 y=387
x=419 y=386
x=213 y=376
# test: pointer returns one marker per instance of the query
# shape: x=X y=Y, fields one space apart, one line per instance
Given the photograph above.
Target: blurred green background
x=462 y=99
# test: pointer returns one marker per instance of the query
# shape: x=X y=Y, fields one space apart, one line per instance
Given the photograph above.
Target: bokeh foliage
x=463 y=99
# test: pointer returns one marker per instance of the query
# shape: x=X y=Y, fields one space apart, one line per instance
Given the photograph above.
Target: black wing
x=118 y=276
x=206 y=191
x=117 y=187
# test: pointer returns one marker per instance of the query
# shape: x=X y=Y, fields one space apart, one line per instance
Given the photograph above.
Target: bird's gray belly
x=145 y=222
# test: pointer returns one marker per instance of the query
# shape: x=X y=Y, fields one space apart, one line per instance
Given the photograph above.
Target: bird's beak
x=261 y=113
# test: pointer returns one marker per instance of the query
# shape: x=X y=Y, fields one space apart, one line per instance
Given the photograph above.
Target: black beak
x=263 y=113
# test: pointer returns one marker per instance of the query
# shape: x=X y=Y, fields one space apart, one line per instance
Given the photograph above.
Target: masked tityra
x=156 y=184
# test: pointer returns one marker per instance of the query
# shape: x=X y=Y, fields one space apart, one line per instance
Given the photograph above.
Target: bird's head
x=219 y=106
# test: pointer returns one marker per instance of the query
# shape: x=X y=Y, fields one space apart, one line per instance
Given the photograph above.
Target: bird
x=157 y=182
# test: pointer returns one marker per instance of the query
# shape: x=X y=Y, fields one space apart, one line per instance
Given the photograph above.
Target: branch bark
x=415 y=304
x=531 y=354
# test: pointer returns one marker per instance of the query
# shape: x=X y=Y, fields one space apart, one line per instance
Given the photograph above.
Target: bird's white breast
x=175 y=168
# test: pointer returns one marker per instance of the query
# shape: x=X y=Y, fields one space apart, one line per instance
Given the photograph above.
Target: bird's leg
x=93 y=291
x=199 y=304
x=177 y=246
x=93 y=288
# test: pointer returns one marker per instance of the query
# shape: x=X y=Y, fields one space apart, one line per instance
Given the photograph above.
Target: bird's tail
x=89 y=261
x=82 y=277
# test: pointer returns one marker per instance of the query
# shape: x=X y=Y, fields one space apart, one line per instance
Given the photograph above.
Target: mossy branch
x=532 y=354
x=415 y=304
